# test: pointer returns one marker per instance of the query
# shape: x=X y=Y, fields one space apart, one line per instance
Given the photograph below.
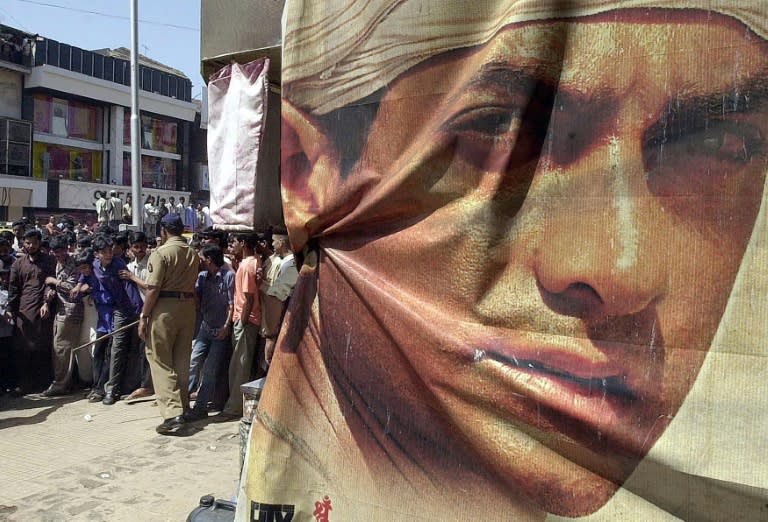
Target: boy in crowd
x=121 y=246
x=247 y=320
x=215 y=291
x=30 y=309
x=137 y=273
x=88 y=283
x=68 y=318
x=127 y=305
x=8 y=379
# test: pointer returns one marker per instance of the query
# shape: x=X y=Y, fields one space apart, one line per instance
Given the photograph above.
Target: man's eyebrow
x=512 y=78
x=689 y=113
x=750 y=95
x=533 y=82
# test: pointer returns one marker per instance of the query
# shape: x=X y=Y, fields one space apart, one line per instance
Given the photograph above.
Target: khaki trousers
x=169 y=346
x=245 y=339
x=66 y=335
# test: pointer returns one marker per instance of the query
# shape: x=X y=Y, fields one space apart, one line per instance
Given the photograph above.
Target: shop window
x=58 y=161
x=67 y=118
x=59 y=122
x=155 y=172
x=156 y=134
x=15 y=147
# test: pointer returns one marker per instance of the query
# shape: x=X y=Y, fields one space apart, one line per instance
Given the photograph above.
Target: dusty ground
x=57 y=466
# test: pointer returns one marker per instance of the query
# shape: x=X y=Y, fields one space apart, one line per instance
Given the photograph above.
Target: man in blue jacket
x=127 y=306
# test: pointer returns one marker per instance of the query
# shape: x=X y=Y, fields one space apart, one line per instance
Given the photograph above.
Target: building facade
x=72 y=106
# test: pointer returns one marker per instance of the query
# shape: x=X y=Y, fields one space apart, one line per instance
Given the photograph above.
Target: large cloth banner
x=237 y=98
x=534 y=281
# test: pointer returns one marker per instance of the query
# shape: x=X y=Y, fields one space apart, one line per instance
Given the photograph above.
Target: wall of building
x=17 y=193
x=10 y=93
x=78 y=103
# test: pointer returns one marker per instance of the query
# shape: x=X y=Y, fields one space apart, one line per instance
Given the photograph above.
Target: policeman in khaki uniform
x=167 y=322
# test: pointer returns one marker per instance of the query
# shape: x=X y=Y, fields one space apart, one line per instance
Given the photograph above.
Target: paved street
x=57 y=466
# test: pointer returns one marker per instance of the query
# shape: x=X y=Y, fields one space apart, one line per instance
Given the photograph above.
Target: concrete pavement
x=57 y=466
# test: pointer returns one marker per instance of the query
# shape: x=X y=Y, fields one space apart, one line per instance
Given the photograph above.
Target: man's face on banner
x=584 y=194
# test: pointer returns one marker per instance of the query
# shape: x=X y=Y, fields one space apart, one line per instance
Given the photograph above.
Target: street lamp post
x=137 y=210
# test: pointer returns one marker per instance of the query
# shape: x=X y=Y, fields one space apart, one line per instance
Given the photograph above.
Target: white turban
x=339 y=52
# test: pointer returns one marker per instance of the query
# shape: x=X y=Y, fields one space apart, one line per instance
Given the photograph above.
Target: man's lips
x=571 y=386
x=567 y=355
x=614 y=385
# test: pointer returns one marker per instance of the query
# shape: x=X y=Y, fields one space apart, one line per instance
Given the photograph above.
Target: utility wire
x=67 y=8
x=16 y=20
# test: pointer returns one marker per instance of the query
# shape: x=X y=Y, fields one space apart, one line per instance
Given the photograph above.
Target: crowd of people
x=111 y=209
x=73 y=301
x=16 y=49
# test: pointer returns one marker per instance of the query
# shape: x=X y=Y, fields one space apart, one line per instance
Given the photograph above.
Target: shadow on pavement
x=37 y=400
x=28 y=402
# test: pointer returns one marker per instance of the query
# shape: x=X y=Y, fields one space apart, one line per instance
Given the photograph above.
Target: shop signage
x=81 y=195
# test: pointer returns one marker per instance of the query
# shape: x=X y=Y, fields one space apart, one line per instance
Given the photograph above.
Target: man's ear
x=310 y=172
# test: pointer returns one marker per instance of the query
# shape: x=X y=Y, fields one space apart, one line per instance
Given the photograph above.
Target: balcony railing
x=117 y=70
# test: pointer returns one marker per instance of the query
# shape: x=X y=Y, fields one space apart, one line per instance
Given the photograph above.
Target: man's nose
x=601 y=251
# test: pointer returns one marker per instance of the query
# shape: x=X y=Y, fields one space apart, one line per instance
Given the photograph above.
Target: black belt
x=177 y=295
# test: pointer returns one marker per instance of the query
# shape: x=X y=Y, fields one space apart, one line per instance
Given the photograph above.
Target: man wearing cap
x=166 y=322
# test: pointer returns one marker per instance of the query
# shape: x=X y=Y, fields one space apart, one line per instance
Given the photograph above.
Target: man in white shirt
x=279 y=292
x=282 y=287
x=271 y=307
x=116 y=210
x=103 y=208
x=137 y=272
x=179 y=209
x=207 y=214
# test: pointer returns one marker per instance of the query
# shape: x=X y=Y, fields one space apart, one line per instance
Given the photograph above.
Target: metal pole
x=137 y=209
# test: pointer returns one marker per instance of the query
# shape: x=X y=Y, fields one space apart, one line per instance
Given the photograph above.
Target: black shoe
x=109 y=400
x=16 y=391
x=53 y=391
x=195 y=414
x=173 y=426
x=95 y=397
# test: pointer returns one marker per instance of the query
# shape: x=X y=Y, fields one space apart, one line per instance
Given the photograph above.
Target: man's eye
x=729 y=141
x=485 y=122
x=700 y=160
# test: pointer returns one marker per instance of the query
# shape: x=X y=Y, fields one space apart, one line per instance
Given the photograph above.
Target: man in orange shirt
x=246 y=320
